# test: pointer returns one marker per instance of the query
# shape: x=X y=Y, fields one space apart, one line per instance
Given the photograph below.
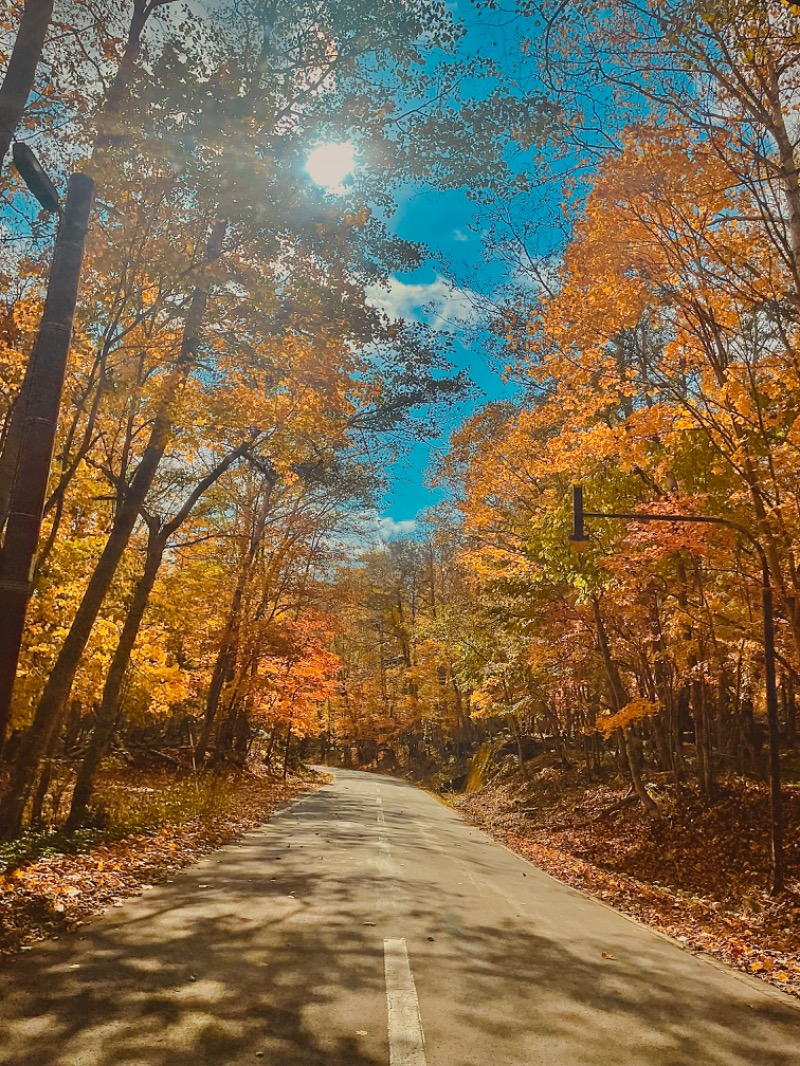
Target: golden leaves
x=634 y=711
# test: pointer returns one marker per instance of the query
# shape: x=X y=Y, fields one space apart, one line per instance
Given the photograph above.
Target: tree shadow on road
x=272 y=951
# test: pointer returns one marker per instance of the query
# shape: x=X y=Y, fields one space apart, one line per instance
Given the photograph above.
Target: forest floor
x=699 y=874
x=156 y=822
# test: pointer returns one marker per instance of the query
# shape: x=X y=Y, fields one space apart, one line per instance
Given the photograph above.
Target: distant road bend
x=368 y=924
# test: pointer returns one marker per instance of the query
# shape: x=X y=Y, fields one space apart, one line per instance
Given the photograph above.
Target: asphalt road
x=360 y=919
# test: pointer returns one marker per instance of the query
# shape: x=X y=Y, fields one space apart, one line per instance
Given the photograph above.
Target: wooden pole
x=49 y=362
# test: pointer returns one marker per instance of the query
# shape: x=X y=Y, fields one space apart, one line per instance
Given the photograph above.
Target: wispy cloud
x=460 y=235
x=438 y=302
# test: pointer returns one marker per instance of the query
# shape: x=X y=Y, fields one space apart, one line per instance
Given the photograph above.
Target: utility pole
x=48 y=362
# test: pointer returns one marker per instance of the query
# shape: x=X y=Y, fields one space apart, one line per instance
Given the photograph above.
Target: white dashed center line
x=406 y=1040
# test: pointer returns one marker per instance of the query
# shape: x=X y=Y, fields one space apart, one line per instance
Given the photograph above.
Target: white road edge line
x=406 y=1039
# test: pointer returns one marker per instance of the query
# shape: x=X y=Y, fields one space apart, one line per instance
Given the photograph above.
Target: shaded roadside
x=160 y=823
x=695 y=873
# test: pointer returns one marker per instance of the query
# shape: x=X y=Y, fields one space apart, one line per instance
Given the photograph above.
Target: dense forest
x=206 y=589
x=230 y=382
x=655 y=358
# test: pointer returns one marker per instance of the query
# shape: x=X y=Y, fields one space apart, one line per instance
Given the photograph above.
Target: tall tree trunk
x=628 y=747
x=225 y=656
x=788 y=167
x=59 y=683
x=520 y=753
x=109 y=705
x=462 y=733
x=35 y=20
x=21 y=72
x=618 y=695
x=125 y=73
x=40 y=792
x=286 y=749
x=273 y=736
x=791 y=711
x=107 y=715
x=42 y=783
x=702 y=737
x=631 y=754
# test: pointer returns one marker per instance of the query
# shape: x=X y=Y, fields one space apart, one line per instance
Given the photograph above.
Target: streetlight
x=32 y=173
x=579 y=540
x=28 y=449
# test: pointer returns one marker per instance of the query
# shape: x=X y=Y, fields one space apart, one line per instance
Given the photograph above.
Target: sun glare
x=329 y=164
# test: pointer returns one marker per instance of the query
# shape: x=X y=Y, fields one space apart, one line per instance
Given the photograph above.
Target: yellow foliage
x=632 y=712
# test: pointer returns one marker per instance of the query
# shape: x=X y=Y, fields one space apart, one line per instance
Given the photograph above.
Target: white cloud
x=369 y=531
x=387 y=528
x=439 y=303
x=460 y=235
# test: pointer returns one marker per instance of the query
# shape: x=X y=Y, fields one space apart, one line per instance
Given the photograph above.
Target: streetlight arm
x=31 y=172
x=699 y=519
x=636 y=516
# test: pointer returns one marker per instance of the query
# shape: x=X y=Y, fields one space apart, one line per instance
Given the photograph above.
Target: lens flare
x=329 y=164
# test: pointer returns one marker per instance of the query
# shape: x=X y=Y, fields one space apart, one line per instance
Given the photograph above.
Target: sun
x=329 y=164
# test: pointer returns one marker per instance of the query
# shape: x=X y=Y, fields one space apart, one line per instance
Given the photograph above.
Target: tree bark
x=38 y=427
x=520 y=753
x=788 y=169
x=618 y=695
x=791 y=712
x=107 y=714
x=286 y=749
x=109 y=705
x=702 y=738
x=224 y=661
x=627 y=748
x=21 y=72
x=142 y=10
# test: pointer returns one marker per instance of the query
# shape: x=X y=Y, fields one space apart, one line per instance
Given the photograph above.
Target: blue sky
x=440 y=220
x=444 y=221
